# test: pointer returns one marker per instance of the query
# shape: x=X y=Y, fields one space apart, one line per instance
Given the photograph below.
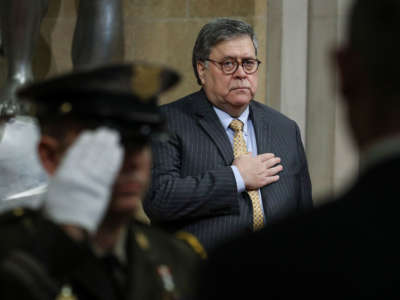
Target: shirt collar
x=226 y=119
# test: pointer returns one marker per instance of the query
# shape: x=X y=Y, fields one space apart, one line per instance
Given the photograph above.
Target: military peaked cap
x=125 y=95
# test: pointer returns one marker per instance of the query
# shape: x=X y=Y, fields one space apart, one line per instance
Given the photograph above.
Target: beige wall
x=333 y=157
x=161 y=31
x=333 y=160
x=165 y=32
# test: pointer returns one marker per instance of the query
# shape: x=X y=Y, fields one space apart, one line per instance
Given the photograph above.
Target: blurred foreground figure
x=96 y=127
x=346 y=249
x=98 y=39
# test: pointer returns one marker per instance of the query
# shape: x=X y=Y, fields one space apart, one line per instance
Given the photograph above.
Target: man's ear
x=49 y=153
x=201 y=69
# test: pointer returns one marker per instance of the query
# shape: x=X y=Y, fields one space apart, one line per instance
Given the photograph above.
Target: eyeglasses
x=230 y=65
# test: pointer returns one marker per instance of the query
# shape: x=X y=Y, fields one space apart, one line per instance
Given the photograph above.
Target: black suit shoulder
x=183 y=103
x=271 y=115
x=185 y=108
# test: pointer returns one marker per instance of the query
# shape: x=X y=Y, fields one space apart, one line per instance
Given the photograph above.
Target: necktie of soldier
x=239 y=148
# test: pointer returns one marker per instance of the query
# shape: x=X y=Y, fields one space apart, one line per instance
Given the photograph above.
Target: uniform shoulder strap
x=193 y=242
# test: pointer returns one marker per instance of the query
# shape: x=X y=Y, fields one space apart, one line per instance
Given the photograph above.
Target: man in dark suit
x=217 y=180
x=346 y=249
x=96 y=126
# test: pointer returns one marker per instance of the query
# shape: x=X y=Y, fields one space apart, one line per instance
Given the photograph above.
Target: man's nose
x=240 y=73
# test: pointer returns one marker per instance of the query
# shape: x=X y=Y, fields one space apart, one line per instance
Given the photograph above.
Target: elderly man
x=95 y=131
x=346 y=249
x=231 y=164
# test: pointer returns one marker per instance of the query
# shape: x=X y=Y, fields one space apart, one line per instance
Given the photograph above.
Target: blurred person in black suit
x=346 y=248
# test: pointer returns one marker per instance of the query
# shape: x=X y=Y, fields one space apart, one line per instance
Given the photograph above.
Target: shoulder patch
x=142 y=240
x=193 y=242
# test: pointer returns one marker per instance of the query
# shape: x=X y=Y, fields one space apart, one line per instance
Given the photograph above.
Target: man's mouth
x=240 y=88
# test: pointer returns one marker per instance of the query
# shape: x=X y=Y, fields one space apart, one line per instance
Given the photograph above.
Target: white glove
x=79 y=192
x=22 y=178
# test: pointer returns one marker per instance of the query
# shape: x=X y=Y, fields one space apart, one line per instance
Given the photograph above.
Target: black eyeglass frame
x=221 y=64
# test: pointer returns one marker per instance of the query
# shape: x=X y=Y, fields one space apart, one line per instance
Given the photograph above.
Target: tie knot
x=236 y=125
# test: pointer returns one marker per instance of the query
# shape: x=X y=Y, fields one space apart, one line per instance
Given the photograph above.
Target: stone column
x=302 y=83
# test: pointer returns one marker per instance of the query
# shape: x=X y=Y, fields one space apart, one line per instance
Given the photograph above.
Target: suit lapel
x=263 y=139
x=261 y=129
x=208 y=120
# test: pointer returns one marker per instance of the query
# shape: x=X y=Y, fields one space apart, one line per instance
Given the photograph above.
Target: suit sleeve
x=305 y=201
x=173 y=197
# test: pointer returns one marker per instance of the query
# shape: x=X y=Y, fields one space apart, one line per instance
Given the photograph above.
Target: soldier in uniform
x=97 y=40
x=96 y=127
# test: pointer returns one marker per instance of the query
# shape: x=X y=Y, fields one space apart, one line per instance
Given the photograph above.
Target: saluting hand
x=79 y=192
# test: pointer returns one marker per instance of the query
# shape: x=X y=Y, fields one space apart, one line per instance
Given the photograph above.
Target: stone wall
x=161 y=31
x=302 y=84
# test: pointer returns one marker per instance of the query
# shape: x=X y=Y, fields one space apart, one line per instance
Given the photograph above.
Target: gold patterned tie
x=239 y=148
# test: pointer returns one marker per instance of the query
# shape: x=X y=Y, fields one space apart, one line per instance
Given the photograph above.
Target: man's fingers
x=272 y=162
x=271 y=179
x=275 y=170
x=265 y=156
x=258 y=171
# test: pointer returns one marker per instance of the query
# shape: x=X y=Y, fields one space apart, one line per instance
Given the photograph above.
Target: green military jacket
x=39 y=261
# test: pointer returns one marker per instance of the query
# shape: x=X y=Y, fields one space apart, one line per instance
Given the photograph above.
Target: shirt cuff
x=241 y=187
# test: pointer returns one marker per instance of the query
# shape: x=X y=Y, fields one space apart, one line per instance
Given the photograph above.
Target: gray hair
x=219 y=30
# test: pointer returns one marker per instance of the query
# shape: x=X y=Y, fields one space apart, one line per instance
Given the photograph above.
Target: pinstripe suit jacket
x=193 y=186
